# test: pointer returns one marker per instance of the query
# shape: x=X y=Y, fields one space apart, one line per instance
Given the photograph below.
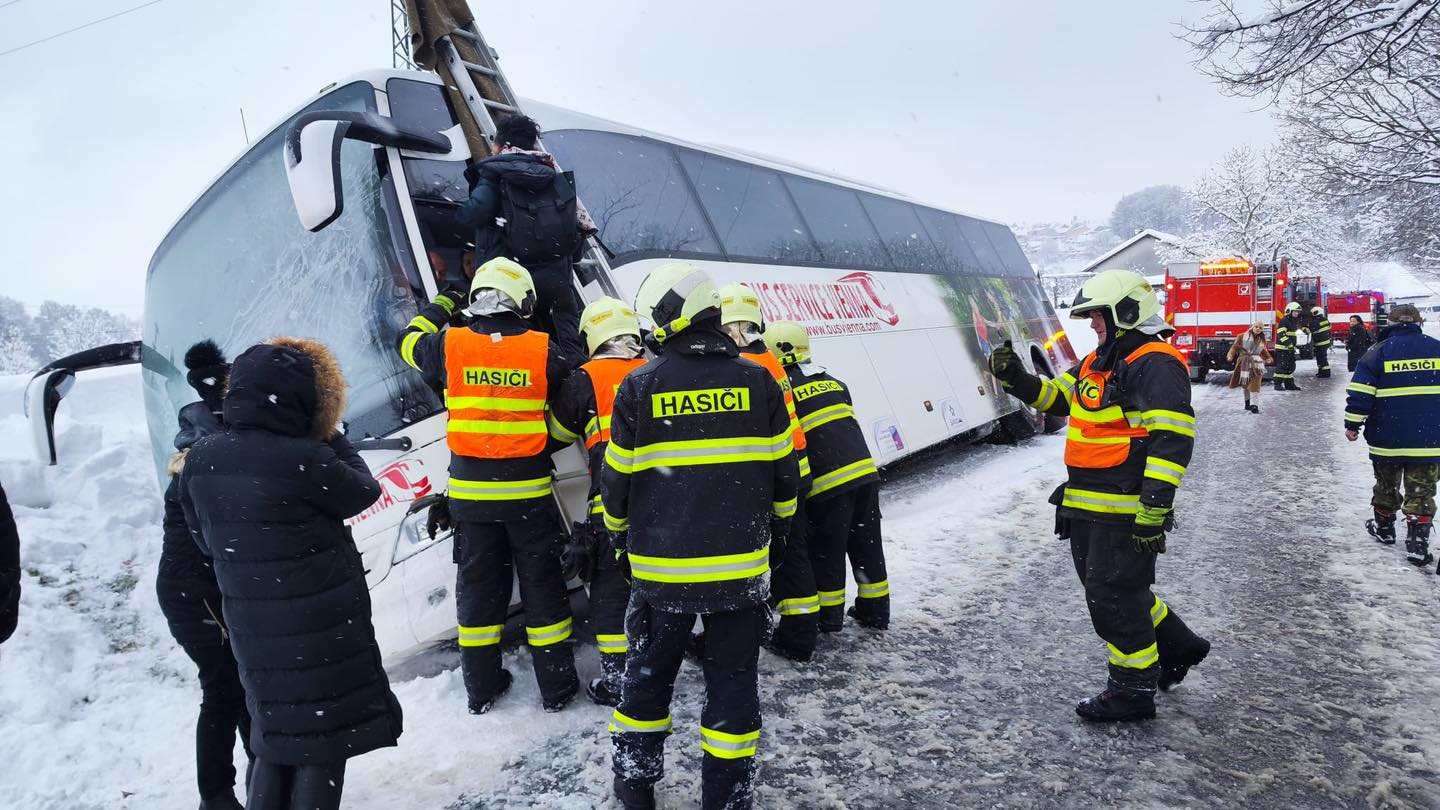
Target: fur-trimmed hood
x=286 y=385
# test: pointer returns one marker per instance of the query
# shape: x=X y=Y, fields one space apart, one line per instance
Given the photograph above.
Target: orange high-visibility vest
x=495 y=390
x=772 y=364
x=1099 y=436
x=605 y=375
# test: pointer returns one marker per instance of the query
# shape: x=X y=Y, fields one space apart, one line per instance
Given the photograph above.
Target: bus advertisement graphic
x=852 y=304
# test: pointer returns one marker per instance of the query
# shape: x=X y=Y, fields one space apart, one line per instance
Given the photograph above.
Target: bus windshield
x=238 y=268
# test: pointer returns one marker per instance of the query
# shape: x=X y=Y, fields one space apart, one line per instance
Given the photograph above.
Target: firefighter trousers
x=793 y=592
x=1322 y=357
x=1284 y=364
x=489 y=557
x=1419 y=482
x=848 y=525
x=609 y=594
x=730 y=721
x=1139 y=629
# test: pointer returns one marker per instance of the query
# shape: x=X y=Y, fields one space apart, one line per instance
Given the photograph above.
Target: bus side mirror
x=42 y=399
x=312 y=156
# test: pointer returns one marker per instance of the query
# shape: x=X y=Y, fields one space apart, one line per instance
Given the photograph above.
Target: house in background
x=1140 y=253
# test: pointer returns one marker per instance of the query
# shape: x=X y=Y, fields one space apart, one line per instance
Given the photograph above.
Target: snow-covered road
x=1323 y=689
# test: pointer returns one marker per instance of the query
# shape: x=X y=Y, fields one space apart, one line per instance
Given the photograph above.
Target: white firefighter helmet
x=509 y=278
x=675 y=295
x=1126 y=295
x=788 y=341
x=606 y=318
x=1293 y=306
x=740 y=304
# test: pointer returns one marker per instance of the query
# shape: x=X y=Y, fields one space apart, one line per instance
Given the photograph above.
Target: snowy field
x=1323 y=689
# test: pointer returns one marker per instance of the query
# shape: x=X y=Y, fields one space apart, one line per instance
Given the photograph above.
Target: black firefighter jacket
x=839 y=459
x=700 y=461
x=267 y=501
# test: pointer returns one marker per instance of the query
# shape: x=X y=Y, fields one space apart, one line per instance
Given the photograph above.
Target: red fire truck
x=1368 y=304
x=1209 y=303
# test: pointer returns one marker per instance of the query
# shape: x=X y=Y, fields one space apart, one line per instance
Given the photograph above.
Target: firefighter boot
x=872 y=613
x=832 y=618
x=1323 y=374
x=1180 y=649
x=1417 y=540
x=483 y=706
x=1279 y=384
x=605 y=690
x=635 y=795
x=1382 y=528
x=1116 y=705
x=1291 y=386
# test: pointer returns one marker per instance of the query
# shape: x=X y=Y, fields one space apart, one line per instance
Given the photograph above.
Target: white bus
x=905 y=300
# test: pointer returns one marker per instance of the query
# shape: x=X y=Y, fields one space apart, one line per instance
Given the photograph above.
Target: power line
x=76 y=28
x=11 y=3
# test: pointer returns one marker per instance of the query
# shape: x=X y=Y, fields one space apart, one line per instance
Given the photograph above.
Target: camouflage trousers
x=1419 y=481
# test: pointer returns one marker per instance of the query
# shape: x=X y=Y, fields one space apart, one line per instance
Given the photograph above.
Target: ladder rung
x=481 y=69
x=461 y=32
x=502 y=107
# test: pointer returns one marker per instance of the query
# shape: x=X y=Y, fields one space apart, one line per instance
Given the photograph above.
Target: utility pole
x=400 y=37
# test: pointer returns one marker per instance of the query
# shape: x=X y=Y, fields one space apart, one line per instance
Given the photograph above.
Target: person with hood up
x=524 y=208
x=190 y=597
x=267 y=501
x=1357 y=342
x=1250 y=356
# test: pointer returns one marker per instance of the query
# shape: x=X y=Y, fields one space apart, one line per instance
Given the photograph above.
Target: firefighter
x=611 y=333
x=1320 y=341
x=1394 y=397
x=843 y=505
x=1285 y=348
x=792 y=579
x=1131 y=435
x=498 y=374
x=700 y=478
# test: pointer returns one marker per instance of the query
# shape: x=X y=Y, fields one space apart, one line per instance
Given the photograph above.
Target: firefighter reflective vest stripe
x=466 y=490
x=1099 y=435
x=843 y=475
x=697 y=451
x=495 y=390
x=701 y=569
x=605 y=375
x=1320 y=335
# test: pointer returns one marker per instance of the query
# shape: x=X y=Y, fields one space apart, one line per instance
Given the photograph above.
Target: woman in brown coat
x=1250 y=356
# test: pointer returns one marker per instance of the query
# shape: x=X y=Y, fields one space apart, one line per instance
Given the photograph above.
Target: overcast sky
x=1019 y=111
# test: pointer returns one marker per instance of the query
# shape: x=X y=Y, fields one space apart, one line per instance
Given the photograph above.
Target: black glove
x=472 y=175
x=1005 y=364
x=458 y=297
x=1148 y=531
x=438 y=519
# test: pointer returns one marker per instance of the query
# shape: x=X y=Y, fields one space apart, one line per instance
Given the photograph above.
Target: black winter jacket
x=1358 y=342
x=9 y=569
x=267 y=501
x=835 y=443
x=700 y=461
x=189 y=595
x=526 y=169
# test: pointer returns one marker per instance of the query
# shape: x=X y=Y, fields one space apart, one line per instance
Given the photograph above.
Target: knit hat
x=208 y=371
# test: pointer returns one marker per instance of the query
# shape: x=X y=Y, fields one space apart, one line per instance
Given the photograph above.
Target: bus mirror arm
x=312 y=156
x=402 y=444
x=50 y=384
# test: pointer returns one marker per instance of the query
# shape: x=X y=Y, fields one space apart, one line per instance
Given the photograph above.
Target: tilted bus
x=905 y=300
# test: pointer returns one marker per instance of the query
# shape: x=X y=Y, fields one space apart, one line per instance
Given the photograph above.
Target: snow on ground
x=1322 y=691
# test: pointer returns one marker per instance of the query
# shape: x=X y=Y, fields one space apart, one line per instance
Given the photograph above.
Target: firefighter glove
x=1005 y=365
x=438 y=518
x=1149 y=529
x=453 y=298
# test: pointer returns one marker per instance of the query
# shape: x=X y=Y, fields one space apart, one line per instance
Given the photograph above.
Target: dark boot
x=832 y=618
x=1323 y=374
x=1279 y=385
x=560 y=701
x=1382 y=528
x=1417 y=540
x=1117 y=705
x=874 y=616
x=605 y=690
x=486 y=704
x=1291 y=386
x=635 y=795
x=1175 y=666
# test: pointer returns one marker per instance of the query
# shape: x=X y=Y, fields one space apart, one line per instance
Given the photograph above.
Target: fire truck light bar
x=1226 y=267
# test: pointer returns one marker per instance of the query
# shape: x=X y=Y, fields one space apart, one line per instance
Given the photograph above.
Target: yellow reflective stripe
x=618 y=458
x=445 y=303
x=612 y=523
x=873 y=590
x=620 y=724
x=489 y=426
x=1149 y=656
x=612 y=643
x=1162 y=470
x=1113 y=413
x=701 y=569
x=464 y=490
x=799 y=606
x=1405 y=452
x=804 y=462
x=550 y=633
x=423 y=324
x=728 y=746
x=1075 y=434
x=486 y=636
x=1049 y=392
x=1158 y=612
x=407 y=348
x=784 y=509
x=843 y=475
x=558 y=431
x=1107 y=502
x=832 y=598
x=1361 y=388
x=826 y=415
x=495 y=403
x=596 y=507
x=1408 y=391
x=1181 y=423
x=732 y=450
x=596 y=425
x=1356 y=417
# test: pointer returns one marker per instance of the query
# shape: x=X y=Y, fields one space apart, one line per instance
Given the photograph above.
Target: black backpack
x=541 y=224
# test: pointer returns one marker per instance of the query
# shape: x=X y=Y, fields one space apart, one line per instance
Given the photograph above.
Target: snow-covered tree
x=16 y=353
x=1161 y=208
x=62 y=329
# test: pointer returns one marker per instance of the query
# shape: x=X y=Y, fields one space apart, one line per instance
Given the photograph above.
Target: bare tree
x=1161 y=208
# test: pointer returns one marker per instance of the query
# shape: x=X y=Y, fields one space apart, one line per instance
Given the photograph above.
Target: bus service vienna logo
x=400 y=482
x=851 y=304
